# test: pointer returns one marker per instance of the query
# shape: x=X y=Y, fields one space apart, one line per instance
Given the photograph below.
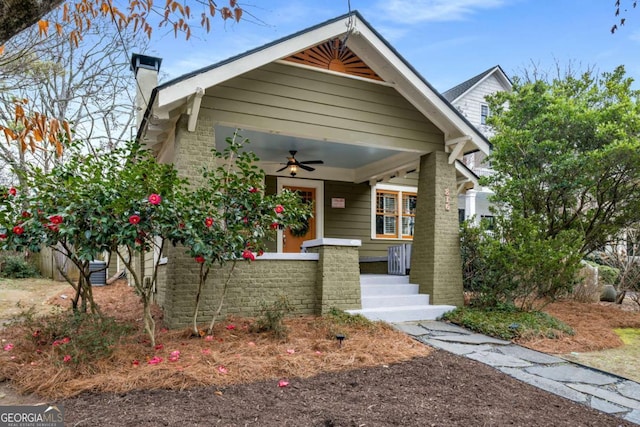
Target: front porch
x=327 y=275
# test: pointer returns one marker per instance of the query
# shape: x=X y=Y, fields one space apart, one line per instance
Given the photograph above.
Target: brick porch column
x=338 y=274
x=435 y=259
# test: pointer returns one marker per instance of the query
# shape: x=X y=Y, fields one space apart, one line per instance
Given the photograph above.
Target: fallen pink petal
x=231 y=327
x=8 y=347
x=283 y=383
x=155 y=360
x=206 y=351
x=208 y=338
x=66 y=358
x=222 y=369
x=290 y=351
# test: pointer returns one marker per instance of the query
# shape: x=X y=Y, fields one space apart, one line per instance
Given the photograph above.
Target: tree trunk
x=16 y=15
x=149 y=323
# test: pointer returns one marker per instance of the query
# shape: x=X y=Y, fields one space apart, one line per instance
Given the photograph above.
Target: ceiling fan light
x=293 y=170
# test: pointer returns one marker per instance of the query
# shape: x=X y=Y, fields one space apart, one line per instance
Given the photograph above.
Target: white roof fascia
x=407 y=76
x=506 y=84
x=182 y=89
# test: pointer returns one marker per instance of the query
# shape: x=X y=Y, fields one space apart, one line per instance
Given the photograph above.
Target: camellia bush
x=229 y=218
x=126 y=204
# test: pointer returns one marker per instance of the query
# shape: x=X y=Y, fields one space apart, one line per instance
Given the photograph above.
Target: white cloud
x=416 y=11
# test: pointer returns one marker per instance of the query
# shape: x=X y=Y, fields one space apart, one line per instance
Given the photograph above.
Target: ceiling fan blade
x=312 y=162
x=307 y=168
x=281 y=169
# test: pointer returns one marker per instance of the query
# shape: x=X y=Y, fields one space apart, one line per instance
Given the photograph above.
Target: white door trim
x=308 y=183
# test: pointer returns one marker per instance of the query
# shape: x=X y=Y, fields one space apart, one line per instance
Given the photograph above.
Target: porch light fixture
x=293 y=170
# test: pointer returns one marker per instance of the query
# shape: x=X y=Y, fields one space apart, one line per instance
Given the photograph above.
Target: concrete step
x=394 y=300
x=394 y=289
x=382 y=279
x=404 y=314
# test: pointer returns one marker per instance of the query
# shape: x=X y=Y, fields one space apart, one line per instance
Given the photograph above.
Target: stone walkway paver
x=600 y=390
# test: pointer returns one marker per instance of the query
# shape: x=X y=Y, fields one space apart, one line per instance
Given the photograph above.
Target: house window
x=484 y=114
x=461 y=215
x=489 y=220
x=395 y=213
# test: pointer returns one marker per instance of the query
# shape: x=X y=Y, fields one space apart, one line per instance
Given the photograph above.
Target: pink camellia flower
x=231 y=327
x=245 y=220
x=155 y=360
x=208 y=221
x=290 y=351
x=56 y=219
x=8 y=347
x=274 y=225
x=199 y=259
x=26 y=214
x=65 y=340
x=174 y=356
x=134 y=219
x=253 y=190
x=208 y=338
x=136 y=362
x=13 y=191
x=260 y=252
x=56 y=343
x=283 y=383
x=66 y=358
x=222 y=369
x=155 y=199
x=18 y=230
x=247 y=254
x=278 y=209
x=3 y=236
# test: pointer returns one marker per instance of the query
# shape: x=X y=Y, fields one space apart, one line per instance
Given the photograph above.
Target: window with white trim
x=484 y=114
x=394 y=212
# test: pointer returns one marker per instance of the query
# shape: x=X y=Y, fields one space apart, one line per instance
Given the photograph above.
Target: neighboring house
x=390 y=143
x=469 y=97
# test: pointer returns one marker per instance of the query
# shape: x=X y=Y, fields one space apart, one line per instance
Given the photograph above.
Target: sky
x=446 y=41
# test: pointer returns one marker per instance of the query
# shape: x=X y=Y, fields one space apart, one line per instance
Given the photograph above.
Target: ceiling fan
x=294 y=164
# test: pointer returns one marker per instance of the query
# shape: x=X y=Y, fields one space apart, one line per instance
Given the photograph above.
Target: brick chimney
x=145 y=69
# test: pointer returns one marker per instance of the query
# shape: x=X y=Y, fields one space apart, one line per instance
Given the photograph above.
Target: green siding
x=354 y=221
x=297 y=101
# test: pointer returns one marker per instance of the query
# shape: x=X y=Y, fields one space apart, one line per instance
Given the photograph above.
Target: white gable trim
x=182 y=89
x=500 y=76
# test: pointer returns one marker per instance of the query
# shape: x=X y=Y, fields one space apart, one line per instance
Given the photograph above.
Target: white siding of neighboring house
x=470 y=105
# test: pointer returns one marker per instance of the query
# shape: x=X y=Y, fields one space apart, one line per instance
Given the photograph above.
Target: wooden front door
x=291 y=243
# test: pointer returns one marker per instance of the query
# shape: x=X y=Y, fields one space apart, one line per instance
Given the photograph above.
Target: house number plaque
x=447 y=200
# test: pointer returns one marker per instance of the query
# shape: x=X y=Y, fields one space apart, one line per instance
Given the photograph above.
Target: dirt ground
x=431 y=388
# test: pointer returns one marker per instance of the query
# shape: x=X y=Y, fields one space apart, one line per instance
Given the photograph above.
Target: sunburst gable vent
x=335 y=56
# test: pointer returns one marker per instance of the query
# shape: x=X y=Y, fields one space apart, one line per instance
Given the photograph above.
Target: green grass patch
x=508 y=322
x=629 y=336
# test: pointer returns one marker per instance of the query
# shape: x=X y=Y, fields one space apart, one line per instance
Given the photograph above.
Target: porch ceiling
x=342 y=162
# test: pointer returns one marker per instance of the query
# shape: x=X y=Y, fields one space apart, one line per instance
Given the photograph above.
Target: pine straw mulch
x=593 y=323
x=233 y=355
